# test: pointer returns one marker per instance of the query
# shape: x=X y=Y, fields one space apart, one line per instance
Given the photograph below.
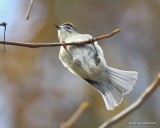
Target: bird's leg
x=65 y=47
x=97 y=56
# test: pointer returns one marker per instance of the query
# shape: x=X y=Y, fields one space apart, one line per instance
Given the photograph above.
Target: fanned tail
x=116 y=84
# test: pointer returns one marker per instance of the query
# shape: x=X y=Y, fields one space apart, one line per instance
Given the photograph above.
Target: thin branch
x=4 y=24
x=75 y=116
x=37 y=45
x=29 y=9
x=144 y=96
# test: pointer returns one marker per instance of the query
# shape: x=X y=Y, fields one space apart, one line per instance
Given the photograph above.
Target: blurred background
x=36 y=91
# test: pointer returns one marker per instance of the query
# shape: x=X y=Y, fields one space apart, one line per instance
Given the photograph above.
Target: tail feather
x=116 y=94
x=111 y=98
x=116 y=84
x=129 y=76
x=124 y=86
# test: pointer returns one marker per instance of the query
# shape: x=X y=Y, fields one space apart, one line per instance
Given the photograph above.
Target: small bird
x=88 y=62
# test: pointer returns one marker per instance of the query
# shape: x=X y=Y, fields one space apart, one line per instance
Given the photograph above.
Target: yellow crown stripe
x=68 y=23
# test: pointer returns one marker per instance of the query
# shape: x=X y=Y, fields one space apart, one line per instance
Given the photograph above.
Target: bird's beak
x=57 y=27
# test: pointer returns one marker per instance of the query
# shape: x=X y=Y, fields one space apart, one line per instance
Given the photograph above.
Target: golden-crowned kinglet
x=88 y=62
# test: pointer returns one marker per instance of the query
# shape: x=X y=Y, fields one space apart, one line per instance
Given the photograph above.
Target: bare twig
x=37 y=45
x=144 y=96
x=75 y=116
x=29 y=9
x=4 y=24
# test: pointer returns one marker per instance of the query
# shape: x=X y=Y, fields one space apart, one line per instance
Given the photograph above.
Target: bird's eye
x=67 y=27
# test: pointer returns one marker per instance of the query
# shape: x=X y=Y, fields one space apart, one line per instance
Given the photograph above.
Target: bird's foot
x=76 y=61
x=93 y=72
x=98 y=59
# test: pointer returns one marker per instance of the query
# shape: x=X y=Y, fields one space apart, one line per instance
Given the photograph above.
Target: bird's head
x=65 y=30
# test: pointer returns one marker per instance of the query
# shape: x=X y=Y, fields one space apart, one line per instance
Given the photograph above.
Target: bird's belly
x=73 y=61
x=79 y=62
